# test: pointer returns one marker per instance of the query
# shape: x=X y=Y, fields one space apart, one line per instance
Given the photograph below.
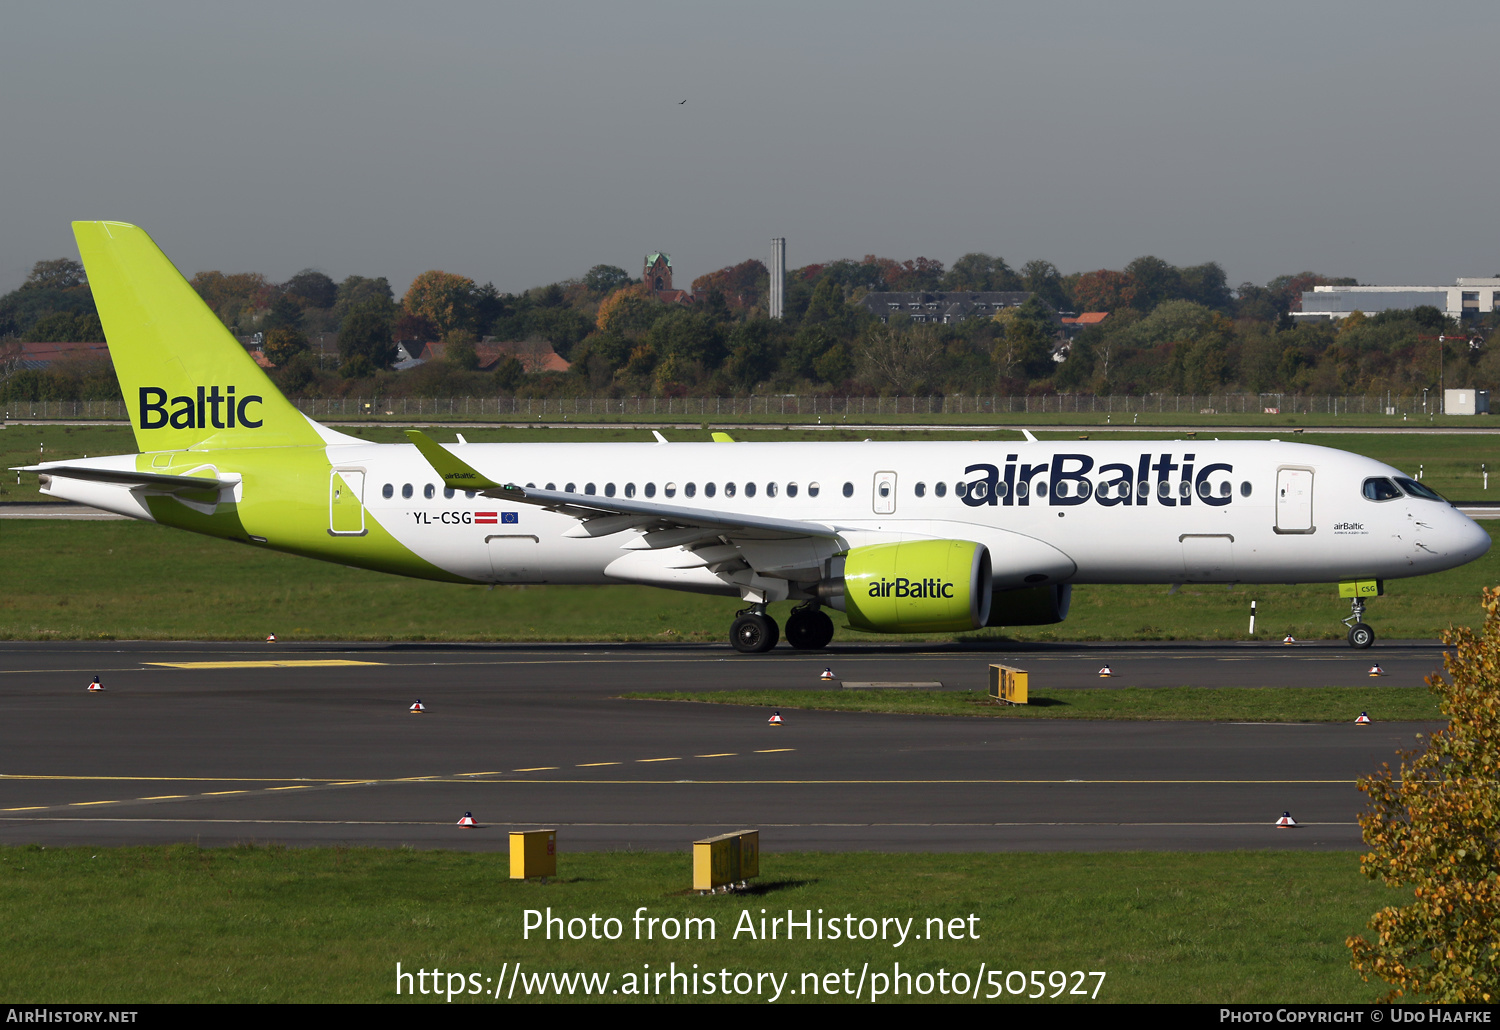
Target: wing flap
x=135 y=480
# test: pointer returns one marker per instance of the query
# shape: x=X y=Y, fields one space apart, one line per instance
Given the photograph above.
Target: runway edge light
x=1363 y=720
x=1106 y=672
x=95 y=685
x=417 y=708
x=774 y=720
x=270 y=638
x=533 y=853
x=1376 y=670
x=468 y=821
x=827 y=674
x=1286 y=822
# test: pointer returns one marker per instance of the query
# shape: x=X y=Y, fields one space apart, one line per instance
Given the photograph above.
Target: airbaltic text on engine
x=903 y=587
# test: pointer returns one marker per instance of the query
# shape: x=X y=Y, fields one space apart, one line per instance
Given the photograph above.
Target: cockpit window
x=1415 y=489
x=1380 y=490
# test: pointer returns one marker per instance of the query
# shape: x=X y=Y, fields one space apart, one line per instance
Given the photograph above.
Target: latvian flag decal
x=485 y=518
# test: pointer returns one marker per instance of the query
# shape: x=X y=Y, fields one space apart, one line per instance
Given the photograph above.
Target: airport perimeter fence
x=787 y=406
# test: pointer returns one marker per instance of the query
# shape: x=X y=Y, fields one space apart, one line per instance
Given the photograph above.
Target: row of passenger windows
x=1083 y=488
x=960 y=489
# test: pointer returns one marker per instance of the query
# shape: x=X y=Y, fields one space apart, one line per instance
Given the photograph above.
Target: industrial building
x=1468 y=298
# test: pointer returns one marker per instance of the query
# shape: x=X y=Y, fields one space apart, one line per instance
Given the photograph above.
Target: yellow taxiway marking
x=27 y=808
x=539 y=768
x=295 y=786
x=211 y=793
x=658 y=759
x=163 y=797
x=75 y=804
x=590 y=765
x=721 y=754
x=492 y=772
x=289 y=663
x=773 y=750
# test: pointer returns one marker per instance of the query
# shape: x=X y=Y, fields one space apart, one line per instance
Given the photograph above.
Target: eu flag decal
x=510 y=518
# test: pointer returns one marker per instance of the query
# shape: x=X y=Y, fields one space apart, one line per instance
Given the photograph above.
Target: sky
x=521 y=144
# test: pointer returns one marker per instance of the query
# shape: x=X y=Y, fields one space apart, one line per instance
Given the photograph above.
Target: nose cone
x=1468 y=540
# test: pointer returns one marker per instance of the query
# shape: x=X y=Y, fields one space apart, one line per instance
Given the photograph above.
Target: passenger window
x=406 y=490
x=1041 y=489
x=708 y=489
x=670 y=489
x=1184 y=489
x=1245 y=488
x=387 y=491
x=429 y=491
x=1381 y=490
x=979 y=489
x=749 y=489
x=920 y=489
x=1164 y=489
x=551 y=486
x=941 y=489
x=728 y=489
x=1062 y=488
x=1085 y=488
x=569 y=488
x=1144 y=490
x=848 y=489
x=959 y=489
x=1022 y=488
x=1205 y=489
x=609 y=490
x=531 y=486
x=770 y=489
x=629 y=489
x=650 y=489
x=448 y=492
x=588 y=488
x=1000 y=489
x=812 y=489
x=791 y=489
x=689 y=489
x=1124 y=490
x=470 y=494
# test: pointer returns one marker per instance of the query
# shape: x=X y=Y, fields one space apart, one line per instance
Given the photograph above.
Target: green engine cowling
x=915 y=586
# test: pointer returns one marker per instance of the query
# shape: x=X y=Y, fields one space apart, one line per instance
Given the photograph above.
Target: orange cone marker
x=96 y=685
x=1363 y=720
x=1105 y=673
x=468 y=820
x=774 y=720
x=1286 y=822
x=1376 y=670
x=827 y=674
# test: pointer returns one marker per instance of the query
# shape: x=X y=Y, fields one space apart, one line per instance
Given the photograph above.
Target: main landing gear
x=753 y=631
x=807 y=629
x=1361 y=635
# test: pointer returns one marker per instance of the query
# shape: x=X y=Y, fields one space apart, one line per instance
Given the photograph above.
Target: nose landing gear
x=1361 y=635
x=753 y=631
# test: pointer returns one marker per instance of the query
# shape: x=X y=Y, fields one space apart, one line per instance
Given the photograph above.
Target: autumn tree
x=1434 y=826
x=282 y=344
x=57 y=274
x=1104 y=290
x=443 y=298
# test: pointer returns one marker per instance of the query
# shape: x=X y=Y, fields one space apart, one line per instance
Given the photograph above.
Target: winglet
x=723 y=438
x=1027 y=433
x=455 y=472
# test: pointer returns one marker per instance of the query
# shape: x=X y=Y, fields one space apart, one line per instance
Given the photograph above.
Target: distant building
x=534 y=355
x=944 y=308
x=657 y=275
x=23 y=354
x=1467 y=298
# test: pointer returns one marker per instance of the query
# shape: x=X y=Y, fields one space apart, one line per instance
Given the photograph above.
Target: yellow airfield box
x=533 y=853
x=1008 y=684
x=1362 y=588
x=725 y=859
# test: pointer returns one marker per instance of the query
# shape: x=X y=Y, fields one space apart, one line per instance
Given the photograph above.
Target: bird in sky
x=681 y=102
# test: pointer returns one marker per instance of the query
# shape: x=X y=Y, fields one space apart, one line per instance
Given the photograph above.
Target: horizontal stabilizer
x=135 y=480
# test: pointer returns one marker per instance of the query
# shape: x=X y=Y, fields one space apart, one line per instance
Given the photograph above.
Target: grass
x=132 y=580
x=1207 y=704
x=258 y=924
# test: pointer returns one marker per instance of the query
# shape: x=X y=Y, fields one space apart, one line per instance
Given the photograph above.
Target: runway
x=314 y=744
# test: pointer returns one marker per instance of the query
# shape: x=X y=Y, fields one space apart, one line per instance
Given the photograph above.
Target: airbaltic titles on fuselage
x=1065 y=480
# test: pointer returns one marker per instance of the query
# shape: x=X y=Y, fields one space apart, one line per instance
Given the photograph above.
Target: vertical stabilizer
x=187 y=381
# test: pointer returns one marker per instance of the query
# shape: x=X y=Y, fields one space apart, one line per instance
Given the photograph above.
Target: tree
x=1104 y=291
x=285 y=314
x=57 y=274
x=282 y=344
x=602 y=279
x=1044 y=282
x=311 y=289
x=357 y=290
x=1155 y=281
x=65 y=327
x=365 y=340
x=443 y=298
x=460 y=351
x=979 y=272
x=1435 y=826
x=901 y=356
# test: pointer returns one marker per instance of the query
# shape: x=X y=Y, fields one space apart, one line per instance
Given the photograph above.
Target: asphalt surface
x=525 y=736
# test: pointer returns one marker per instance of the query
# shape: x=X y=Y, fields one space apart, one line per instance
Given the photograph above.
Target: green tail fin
x=187 y=382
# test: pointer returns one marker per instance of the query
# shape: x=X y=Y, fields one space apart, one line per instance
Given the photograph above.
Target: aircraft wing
x=665 y=525
x=136 y=480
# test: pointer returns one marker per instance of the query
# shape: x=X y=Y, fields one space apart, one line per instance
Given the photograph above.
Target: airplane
x=903 y=537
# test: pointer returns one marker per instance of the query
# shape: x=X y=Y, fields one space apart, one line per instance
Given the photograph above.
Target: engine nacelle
x=1031 y=606
x=916 y=586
